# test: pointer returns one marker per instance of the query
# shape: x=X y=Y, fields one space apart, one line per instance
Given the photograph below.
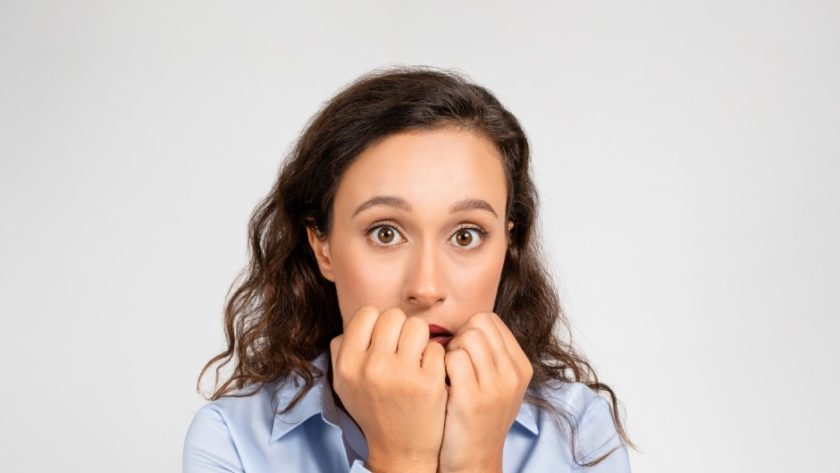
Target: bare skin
x=394 y=388
x=400 y=265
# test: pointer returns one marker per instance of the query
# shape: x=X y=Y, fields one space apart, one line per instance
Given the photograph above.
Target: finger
x=386 y=332
x=474 y=342
x=510 y=341
x=484 y=321
x=413 y=339
x=518 y=355
x=433 y=360
x=359 y=329
x=459 y=367
x=356 y=336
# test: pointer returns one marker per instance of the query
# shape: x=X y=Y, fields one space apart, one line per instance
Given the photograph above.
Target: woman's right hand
x=391 y=380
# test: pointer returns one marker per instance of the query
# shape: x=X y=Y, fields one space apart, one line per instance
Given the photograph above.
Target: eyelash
x=481 y=231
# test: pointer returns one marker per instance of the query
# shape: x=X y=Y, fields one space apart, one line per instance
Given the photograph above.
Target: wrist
x=494 y=466
x=381 y=463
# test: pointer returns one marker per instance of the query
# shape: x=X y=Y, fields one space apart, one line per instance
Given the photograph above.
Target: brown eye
x=385 y=234
x=468 y=237
x=464 y=237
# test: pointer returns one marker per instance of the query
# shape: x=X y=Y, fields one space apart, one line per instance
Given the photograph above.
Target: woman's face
x=419 y=224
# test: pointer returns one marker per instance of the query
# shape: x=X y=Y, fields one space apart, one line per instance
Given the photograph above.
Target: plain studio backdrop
x=686 y=154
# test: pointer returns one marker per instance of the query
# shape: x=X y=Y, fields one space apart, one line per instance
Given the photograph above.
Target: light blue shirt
x=247 y=435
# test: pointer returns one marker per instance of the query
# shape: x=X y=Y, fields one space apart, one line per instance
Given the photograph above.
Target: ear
x=321 y=248
x=509 y=228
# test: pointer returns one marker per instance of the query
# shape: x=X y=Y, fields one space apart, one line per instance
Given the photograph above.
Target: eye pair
x=387 y=234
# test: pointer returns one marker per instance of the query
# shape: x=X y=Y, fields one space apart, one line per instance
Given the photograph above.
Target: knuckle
x=456 y=357
x=415 y=323
x=513 y=382
x=366 y=312
x=529 y=372
x=525 y=362
x=523 y=374
x=369 y=308
x=374 y=370
x=393 y=314
x=472 y=337
x=342 y=371
x=338 y=386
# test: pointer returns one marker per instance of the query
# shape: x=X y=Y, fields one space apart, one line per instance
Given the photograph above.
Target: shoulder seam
x=597 y=451
x=226 y=424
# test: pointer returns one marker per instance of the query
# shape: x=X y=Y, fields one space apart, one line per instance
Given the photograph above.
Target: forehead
x=430 y=169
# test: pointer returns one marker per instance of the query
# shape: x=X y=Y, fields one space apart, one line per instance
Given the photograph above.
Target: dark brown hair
x=283 y=313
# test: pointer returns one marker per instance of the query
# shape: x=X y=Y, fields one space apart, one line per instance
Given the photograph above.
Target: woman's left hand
x=488 y=375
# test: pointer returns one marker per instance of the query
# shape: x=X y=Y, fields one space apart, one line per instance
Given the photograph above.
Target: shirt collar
x=319 y=400
x=313 y=402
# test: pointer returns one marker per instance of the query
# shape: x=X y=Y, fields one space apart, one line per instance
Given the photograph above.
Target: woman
x=396 y=289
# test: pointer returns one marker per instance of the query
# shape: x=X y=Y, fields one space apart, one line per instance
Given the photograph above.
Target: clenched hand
x=392 y=382
x=489 y=374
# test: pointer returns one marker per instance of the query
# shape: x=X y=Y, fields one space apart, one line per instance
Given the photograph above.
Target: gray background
x=686 y=154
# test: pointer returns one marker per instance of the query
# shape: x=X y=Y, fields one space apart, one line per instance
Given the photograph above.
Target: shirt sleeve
x=597 y=435
x=208 y=446
x=359 y=467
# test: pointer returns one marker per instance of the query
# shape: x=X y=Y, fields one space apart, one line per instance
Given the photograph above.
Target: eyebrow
x=402 y=204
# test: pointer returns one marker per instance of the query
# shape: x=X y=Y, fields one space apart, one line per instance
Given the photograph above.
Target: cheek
x=476 y=283
x=362 y=280
x=363 y=277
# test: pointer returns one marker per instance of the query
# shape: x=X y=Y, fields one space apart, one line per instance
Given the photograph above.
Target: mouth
x=439 y=334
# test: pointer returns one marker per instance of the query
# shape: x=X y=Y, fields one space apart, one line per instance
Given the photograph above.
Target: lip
x=442 y=339
x=439 y=334
x=437 y=330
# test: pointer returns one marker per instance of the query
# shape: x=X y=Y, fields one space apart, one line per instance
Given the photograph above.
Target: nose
x=424 y=285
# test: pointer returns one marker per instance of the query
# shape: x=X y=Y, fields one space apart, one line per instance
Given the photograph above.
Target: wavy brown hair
x=283 y=313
